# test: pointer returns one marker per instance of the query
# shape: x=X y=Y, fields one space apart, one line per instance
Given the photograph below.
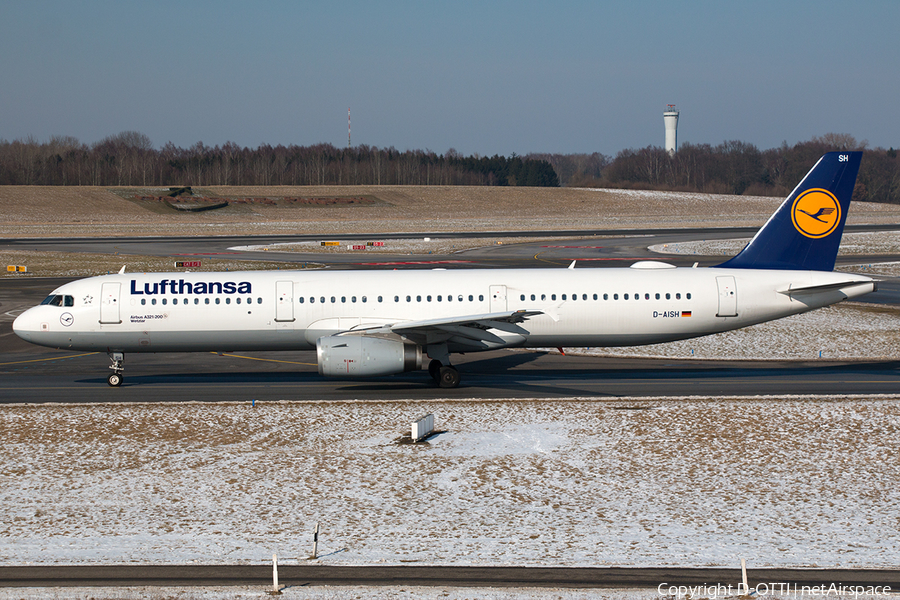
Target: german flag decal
x=685 y=313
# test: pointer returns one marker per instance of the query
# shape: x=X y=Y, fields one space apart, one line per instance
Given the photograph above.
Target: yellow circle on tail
x=816 y=213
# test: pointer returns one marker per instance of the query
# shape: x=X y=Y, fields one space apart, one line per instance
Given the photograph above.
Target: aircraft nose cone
x=23 y=326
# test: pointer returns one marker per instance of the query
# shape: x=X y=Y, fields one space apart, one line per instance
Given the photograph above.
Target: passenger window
x=606 y=296
x=418 y=298
x=396 y=298
x=164 y=300
x=379 y=298
x=196 y=301
x=143 y=301
x=532 y=297
x=322 y=299
x=333 y=299
x=678 y=296
x=688 y=296
x=440 y=298
x=153 y=301
x=584 y=297
x=625 y=296
x=206 y=300
x=409 y=298
x=227 y=301
x=481 y=297
x=595 y=296
x=471 y=298
x=657 y=296
x=449 y=297
x=353 y=299
x=615 y=296
x=344 y=299
x=553 y=296
x=259 y=300
x=543 y=296
x=646 y=296
x=218 y=300
x=668 y=296
x=563 y=296
x=237 y=300
x=428 y=298
x=301 y=299
x=363 y=299
x=460 y=298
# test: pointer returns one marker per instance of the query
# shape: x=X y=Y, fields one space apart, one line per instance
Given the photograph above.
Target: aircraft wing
x=470 y=330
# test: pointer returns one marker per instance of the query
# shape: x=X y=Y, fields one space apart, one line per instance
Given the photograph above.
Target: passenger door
x=727 y=297
x=109 y=303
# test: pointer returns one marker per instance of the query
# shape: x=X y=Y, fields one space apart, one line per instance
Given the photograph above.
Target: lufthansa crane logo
x=816 y=213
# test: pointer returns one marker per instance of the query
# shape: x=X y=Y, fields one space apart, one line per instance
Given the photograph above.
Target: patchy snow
x=643 y=482
x=842 y=331
x=852 y=244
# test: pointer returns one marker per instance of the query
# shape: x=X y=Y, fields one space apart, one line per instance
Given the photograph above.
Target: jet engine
x=366 y=356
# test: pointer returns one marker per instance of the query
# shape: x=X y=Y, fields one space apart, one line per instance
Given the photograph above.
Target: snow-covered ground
x=843 y=331
x=643 y=482
x=852 y=244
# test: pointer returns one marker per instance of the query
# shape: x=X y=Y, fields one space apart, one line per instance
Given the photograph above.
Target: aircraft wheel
x=434 y=369
x=449 y=377
x=114 y=379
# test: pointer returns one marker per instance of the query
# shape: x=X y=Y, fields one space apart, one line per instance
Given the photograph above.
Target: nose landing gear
x=118 y=366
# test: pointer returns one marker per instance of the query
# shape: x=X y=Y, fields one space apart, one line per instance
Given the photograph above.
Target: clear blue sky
x=481 y=77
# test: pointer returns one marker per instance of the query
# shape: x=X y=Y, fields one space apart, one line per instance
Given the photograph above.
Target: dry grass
x=93 y=211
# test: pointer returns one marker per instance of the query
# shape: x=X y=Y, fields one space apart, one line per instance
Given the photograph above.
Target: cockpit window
x=59 y=300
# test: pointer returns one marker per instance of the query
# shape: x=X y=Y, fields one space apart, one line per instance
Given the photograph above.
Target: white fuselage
x=290 y=310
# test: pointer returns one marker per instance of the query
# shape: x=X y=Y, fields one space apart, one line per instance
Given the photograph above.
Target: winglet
x=805 y=231
x=122 y=270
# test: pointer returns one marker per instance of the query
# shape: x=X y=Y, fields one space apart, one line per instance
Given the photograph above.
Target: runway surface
x=592 y=247
x=61 y=377
x=533 y=577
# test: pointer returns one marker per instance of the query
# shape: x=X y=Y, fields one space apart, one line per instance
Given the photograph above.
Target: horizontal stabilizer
x=825 y=287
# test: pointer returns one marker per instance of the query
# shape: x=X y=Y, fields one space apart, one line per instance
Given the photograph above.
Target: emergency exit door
x=284 y=301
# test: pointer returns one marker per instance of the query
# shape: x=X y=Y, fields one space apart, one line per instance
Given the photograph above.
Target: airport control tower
x=671 y=119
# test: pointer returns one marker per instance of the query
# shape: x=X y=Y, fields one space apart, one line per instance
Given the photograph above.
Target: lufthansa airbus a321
x=371 y=323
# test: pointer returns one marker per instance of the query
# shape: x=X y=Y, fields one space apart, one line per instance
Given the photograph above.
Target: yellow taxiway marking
x=287 y=362
x=19 y=362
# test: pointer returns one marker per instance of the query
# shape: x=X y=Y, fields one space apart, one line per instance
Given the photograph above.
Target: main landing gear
x=445 y=376
x=118 y=366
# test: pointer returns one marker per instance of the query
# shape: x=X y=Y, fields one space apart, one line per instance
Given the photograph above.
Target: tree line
x=129 y=159
x=732 y=167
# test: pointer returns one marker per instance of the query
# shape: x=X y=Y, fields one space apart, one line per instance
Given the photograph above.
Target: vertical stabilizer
x=805 y=232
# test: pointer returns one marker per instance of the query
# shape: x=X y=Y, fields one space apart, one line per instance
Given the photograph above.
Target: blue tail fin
x=805 y=231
